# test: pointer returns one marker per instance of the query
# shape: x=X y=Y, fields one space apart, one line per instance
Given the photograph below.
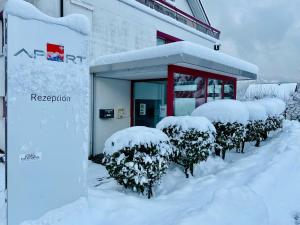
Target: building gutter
x=61 y=8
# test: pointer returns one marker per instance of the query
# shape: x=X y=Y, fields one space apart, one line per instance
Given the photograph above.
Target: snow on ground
x=261 y=187
x=2 y=199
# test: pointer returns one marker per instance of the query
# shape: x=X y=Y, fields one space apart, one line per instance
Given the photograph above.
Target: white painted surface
x=51 y=8
x=109 y=94
x=2 y=76
x=53 y=132
x=2 y=134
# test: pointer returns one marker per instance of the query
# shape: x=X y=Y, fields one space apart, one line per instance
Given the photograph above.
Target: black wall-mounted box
x=106 y=113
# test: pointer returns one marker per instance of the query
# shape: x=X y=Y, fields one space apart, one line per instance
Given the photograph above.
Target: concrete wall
x=109 y=94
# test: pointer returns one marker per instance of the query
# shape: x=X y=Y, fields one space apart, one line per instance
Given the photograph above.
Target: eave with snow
x=152 y=63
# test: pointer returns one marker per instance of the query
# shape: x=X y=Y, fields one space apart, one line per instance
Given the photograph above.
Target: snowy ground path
x=261 y=187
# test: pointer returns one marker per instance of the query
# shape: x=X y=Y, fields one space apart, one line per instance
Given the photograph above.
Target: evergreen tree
x=293 y=105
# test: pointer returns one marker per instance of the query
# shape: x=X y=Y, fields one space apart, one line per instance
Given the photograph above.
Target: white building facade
x=149 y=80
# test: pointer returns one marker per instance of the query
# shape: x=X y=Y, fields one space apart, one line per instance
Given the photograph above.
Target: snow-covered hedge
x=139 y=156
x=229 y=118
x=192 y=138
x=275 y=109
x=255 y=128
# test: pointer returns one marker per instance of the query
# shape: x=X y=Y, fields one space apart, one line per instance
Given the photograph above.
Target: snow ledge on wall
x=20 y=8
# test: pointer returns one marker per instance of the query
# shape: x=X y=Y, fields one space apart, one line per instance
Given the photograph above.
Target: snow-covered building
x=149 y=59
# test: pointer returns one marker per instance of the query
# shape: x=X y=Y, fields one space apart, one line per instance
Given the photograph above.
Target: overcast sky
x=264 y=32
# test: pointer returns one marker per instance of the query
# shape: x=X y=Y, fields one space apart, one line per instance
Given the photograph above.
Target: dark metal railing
x=171 y=11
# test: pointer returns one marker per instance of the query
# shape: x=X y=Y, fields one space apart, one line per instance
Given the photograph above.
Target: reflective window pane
x=214 y=90
x=229 y=90
x=189 y=93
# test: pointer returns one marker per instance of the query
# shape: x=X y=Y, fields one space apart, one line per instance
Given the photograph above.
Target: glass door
x=150 y=102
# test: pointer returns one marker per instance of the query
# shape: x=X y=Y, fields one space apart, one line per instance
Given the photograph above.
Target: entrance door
x=150 y=103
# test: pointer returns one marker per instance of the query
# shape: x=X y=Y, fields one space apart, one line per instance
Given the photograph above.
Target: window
x=189 y=93
x=189 y=88
x=163 y=38
x=229 y=90
x=214 y=91
x=160 y=41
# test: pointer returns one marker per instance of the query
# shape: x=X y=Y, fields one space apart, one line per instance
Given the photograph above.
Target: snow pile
x=26 y=10
x=256 y=111
x=187 y=122
x=134 y=136
x=259 y=91
x=273 y=106
x=224 y=111
x=2 y=195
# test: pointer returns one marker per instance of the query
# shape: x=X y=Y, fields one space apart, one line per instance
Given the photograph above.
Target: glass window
x=189 y=93
x=160 y=41
x=214 y=91
x=229 y=90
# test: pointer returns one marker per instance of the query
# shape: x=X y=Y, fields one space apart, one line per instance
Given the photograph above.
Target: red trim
x=187 y=15
x=167 y=37
x=170 y=91
x=200 y=73
x=131 y=103
x=235 y=88
x=206 y=92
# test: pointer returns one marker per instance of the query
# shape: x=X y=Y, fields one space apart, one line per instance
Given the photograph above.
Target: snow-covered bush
x=2 y=156
x=139 y=156
x=255 y=128
x=275 y=109
x=192 y=138
x=229 y=118
x=293 y=106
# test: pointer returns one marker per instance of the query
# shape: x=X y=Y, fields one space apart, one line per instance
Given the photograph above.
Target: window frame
x=172 y=69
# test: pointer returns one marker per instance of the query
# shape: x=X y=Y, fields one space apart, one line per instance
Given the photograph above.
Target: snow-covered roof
x=282 y=91
x=179 y=53
x=23 y=9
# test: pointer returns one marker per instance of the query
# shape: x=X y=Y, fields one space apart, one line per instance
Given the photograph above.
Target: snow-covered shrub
x=102 y=159
x=255 y=128
x=229 y=118
x=192 y=138
x=293 y=106
x=2 y=156
x=275 y=109
x=139 y=156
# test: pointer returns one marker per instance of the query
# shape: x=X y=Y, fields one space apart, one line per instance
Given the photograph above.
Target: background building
x=138 y=73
